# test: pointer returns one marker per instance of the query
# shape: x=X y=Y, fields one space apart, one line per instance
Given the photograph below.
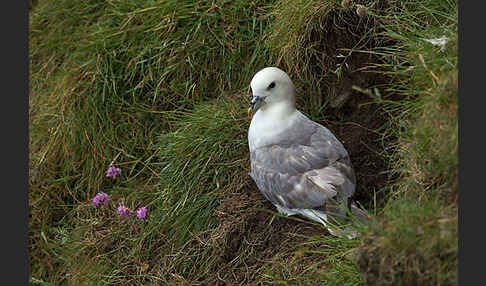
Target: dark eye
x=272 y=85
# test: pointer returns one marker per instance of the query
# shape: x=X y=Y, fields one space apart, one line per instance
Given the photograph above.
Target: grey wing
x=305 y=172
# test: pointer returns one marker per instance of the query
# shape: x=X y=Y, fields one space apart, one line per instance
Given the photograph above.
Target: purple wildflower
x=113 y=172
x=124 y=211
x=96 y=201
x=142 y=212
x=100 y=198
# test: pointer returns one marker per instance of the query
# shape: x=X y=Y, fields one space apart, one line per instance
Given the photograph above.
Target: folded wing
x=303 y=167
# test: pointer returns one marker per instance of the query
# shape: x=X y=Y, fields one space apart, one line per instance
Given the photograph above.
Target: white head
x=269 y=86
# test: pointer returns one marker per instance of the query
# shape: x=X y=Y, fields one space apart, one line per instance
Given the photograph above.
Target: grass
x=160 y=89
x=415 y=240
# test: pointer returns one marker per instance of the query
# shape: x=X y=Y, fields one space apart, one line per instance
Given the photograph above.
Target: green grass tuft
x=415 y=238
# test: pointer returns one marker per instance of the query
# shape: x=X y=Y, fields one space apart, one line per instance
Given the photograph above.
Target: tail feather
x=331 y=224
x=329 y=221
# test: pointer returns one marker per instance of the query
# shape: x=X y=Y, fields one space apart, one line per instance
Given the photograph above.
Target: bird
x=298 y=164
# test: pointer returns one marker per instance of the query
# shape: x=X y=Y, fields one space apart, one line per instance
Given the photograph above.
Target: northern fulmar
x=297 y=164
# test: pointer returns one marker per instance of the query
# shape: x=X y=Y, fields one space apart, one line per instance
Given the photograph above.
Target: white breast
x=266 y=124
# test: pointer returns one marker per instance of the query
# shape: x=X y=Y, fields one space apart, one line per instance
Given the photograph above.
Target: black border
x=471 y=80
x=15 y=142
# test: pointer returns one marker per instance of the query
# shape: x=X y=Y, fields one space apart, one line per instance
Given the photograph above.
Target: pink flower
x=113 y=172
x=124 y=211
x=142 y=212
x=100 y=198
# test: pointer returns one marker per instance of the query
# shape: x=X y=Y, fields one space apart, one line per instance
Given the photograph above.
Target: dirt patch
x=250 y=236
x=356 y=119
x=358 y=125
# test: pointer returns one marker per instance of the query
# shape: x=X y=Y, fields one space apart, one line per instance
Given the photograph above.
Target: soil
x=250 y=236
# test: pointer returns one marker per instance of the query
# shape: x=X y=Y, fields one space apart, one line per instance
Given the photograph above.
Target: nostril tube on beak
x=256 y=102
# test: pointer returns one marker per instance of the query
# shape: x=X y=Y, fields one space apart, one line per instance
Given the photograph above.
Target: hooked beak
x=256 y=102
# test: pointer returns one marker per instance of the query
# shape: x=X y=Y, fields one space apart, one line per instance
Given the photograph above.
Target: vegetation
x=160 y=90
x=415 y=239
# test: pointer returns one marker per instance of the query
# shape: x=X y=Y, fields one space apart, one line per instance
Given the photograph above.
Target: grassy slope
x=415 y=240
x=129 y=82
